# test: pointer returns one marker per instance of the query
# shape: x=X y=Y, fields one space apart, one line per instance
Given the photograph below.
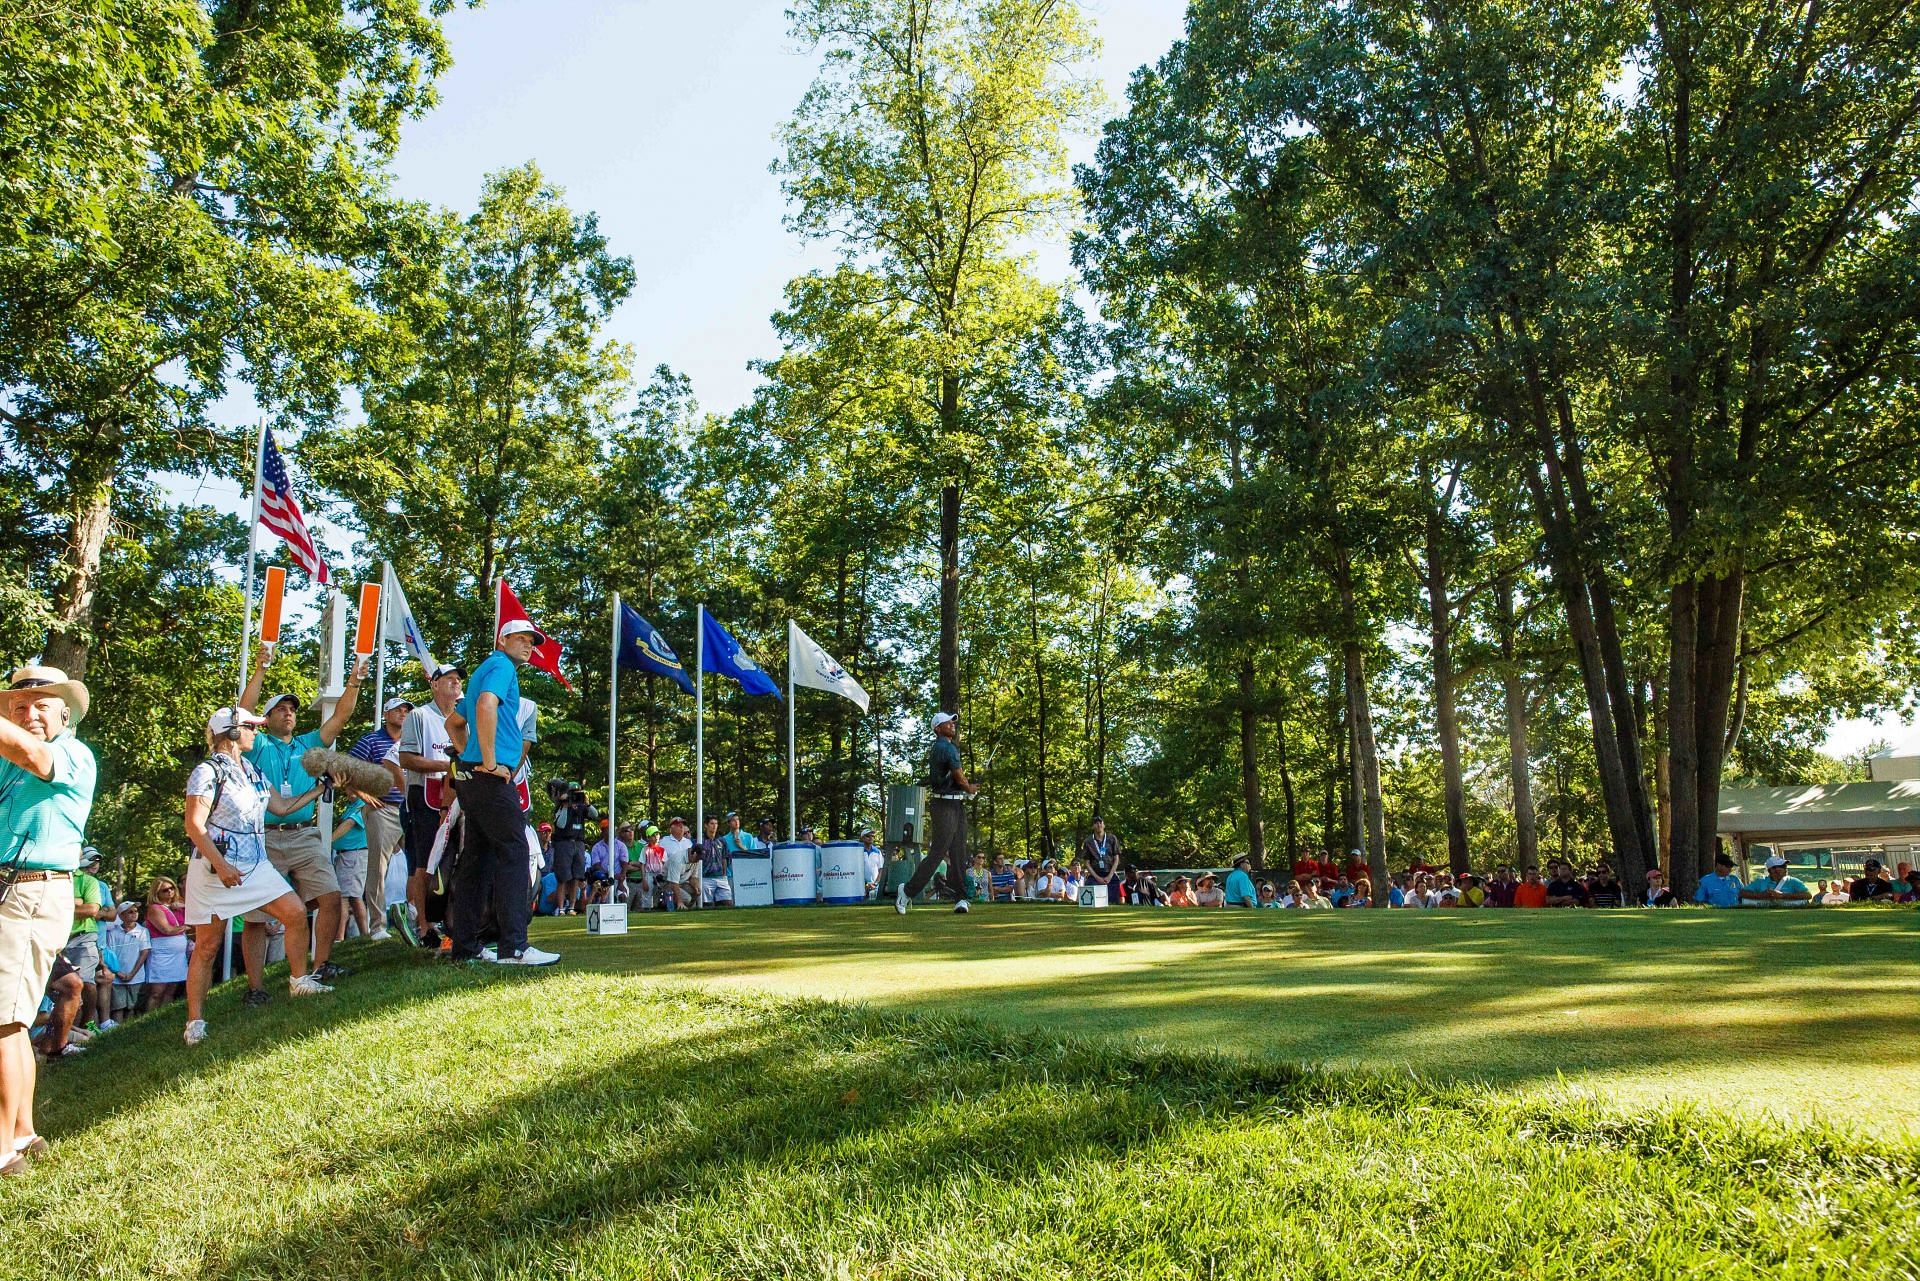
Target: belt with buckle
x=290 y=827
x=40 y=874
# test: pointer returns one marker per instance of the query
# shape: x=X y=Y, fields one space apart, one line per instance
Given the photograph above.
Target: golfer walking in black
x=947 y=789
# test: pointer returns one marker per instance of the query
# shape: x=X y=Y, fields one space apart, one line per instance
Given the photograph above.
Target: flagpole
x=699 y=719
x=253 y=528
x=613 y=724
x=793 y=822
x=380 y=651
x=498 y=583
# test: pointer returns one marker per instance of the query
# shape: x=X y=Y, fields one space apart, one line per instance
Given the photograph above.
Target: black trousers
x=491 y=879
x=948 y=843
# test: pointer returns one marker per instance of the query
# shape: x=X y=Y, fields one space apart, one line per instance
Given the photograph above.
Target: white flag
x=809 y=665
x=400 y=626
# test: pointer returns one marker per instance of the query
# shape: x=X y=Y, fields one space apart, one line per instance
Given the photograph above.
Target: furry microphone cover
x=362 y=776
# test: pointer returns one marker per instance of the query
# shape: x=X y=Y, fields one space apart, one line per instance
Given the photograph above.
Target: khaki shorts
x=383 y=841
x=300 y=855
x=35 y=923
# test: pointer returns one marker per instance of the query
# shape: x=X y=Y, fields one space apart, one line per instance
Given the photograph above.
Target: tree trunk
x=70 y=639
x=1446 y=721
x=1332 y=807
x=1040 y=696
x=1360 y=715
x=1513 y=688
x=1286 y=782
x=1100 y=691
x=950 y=557
x=1250 y=765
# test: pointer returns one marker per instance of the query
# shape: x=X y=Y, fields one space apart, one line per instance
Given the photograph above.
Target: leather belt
x=290 y=827
x=40 y=874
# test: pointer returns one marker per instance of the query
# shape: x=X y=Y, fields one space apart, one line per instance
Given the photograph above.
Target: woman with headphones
x=227 y=804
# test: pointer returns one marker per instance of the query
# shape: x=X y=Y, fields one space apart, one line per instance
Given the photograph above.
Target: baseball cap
x=942 y=718
x=132 y=904
x=676 y=819
x=397 y=701
x=521 y=627
x=447 y=669
x=278 y=699
x=1872 y=862
x=866 y=831
x=1775 y=860
x=89 y=856
x=228 y=718
x=546 y=827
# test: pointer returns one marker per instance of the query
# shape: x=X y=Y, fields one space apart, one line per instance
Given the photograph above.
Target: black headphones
x=232 y=732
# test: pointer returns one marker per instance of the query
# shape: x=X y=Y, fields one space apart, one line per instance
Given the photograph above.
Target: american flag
x=281 y=514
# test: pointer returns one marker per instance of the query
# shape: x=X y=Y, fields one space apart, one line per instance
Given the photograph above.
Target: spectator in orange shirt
x=1532 y=891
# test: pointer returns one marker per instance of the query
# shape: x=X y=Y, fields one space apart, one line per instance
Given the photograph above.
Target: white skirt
x=208 y=900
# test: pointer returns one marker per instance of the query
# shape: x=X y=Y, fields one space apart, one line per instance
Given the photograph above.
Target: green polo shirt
x=44 y=821
x=87 y=889
x=279 y=764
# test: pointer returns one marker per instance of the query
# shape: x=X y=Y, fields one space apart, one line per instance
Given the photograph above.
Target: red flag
x=507 y=607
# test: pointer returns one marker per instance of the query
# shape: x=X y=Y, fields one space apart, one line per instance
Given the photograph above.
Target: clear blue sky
x=660 y=117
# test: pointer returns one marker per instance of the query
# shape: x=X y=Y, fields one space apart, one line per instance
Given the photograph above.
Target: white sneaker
x=196 y=1032
x=901 y=902
x=962 y=907
x=109 y=1025
x=380 y=935
x=532 y=956
x=307 y=985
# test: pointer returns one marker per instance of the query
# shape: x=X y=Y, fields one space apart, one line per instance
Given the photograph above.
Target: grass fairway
x=1793 y=1013
x=431 y=1120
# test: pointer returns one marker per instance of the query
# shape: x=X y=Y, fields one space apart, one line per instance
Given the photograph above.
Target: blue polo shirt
x=355 y=837
x=1718 y=891
x=43 y=821
x=279 y=763
x=1240 y=889
x=1786 y=885
x=497 y=677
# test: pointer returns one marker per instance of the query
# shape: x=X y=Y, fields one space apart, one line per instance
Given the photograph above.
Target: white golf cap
x=521 y=627
x=448 y=669
x=943 y=718
x=1775 y=860
x=231 y=717
x=397 y=701
x=278 y=699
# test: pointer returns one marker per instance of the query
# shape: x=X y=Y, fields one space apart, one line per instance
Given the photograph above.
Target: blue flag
x=722 y=654
x=643 y=649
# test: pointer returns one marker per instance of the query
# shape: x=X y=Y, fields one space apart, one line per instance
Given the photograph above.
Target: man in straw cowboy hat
x=46 y=793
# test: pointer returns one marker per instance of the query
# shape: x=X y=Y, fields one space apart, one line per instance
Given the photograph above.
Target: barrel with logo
x=793 y=868
x=752 y=876
x=843 y=872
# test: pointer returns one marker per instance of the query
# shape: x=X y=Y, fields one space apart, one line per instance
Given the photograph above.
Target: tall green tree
x=930 y=146
x=193 y=194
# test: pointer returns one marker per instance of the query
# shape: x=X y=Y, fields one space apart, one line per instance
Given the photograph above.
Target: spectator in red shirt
x=1500 y=890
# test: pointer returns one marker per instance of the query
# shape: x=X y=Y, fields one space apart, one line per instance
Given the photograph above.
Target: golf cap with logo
x=1775 y=860
x=521 y=627
x=231 y=718
x=40 y=682
x=278 y=699
x=943 y=718
x=89 y=856
x=397 y=701
x=448 y=669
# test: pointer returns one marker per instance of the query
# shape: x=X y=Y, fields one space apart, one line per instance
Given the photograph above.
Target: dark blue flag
x=643 y=649
x=722 y=653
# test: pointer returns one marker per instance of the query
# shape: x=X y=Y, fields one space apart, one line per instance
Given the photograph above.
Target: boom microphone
x=361 y=776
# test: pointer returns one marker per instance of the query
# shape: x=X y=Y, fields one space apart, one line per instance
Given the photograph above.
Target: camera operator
x=572 y=819
x=46 y=794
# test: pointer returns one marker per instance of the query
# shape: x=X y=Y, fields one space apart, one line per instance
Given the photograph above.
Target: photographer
x=46 y=794
x=571 y=817
x=228 y=801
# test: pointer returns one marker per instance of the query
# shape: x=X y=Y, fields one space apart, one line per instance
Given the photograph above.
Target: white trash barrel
x=752 y=880
x=793 y=873
x=843 y=872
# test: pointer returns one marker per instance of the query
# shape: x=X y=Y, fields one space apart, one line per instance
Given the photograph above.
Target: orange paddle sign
x=270 y=608
x=367 y=635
